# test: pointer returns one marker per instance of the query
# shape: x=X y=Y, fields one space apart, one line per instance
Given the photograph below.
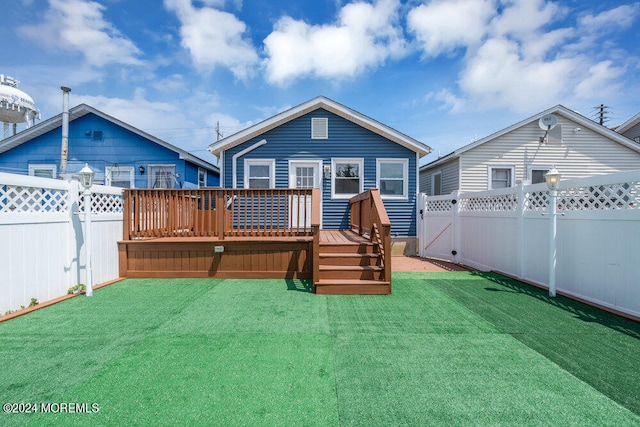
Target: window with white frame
x=259 y=173
x=319 y=128
x=392 y=178
x=161 y=176
x=436 y=184
x=537 y=173
x=119 y=176
x=202 y=178
x=43 y=171
x=501 y=176
x=347 y=177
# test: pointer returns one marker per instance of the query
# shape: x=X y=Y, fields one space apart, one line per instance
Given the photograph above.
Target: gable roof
x=558 y=109
x=81 y=111
x=312 y=105
x=628 y=124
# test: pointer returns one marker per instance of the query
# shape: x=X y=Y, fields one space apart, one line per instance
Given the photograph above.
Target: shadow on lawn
x=299 y=285
x=580 y=310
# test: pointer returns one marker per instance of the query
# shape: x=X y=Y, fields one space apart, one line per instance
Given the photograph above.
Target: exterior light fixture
x=86 y=180
x=141 y=169
x=553 y=179
x=327 y=171
x=86 y=176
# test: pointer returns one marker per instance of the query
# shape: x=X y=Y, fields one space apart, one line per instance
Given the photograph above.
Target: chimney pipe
x=65 y=130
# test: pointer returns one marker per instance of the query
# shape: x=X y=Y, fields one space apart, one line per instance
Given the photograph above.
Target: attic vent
x=319 y=128
x=97 y=135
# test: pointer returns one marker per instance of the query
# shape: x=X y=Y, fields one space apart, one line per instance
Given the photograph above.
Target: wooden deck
x=261 y=234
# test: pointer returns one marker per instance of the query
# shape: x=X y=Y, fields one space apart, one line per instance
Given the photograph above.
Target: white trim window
x=536 y=173
x=259 y=173
x=43 y=170
x=347 y=178
x=202 y=178
x=501 y=176
x=392 y=178
x=119 y=176
x=319 y=128
x=161 y=176
x=436 y=184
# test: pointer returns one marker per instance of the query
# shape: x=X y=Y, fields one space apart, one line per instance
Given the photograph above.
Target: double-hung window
x=347 y=178
x=162 y=176
x=43 y=171
x=501 y=176
x=436 y=184
x=119 y=176
x=259 y=173
x=202 y=178
x=392 y=178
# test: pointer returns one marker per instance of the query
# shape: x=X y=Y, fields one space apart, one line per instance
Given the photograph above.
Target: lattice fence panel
x=103 y=203
x=15 y=198
x=495 y=203
x=439 y=205
x=601 y=197
x=537 y=201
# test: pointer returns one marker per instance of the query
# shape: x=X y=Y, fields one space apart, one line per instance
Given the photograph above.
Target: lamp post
x=553 y=178
x=86 y=180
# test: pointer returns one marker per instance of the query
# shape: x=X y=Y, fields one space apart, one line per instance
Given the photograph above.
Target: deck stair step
x=352 y=259
x=350 y=267
x=350 y=287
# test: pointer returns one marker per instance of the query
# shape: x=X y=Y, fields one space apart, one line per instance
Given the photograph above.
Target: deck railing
x=218 y=213
x=368 y=216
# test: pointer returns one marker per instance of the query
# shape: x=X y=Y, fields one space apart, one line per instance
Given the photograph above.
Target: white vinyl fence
x=508 y=230
x=42 y=252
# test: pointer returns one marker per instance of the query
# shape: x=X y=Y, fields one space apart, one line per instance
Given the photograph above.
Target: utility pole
x=602 y=114
x=218 y=133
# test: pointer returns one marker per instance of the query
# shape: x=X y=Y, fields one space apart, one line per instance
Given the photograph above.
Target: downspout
x=234 y=159
x=65 y=130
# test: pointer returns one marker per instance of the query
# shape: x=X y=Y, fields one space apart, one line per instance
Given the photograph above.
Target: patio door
x=303 y=174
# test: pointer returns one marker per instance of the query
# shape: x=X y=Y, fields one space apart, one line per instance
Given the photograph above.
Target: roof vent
x=319 y=128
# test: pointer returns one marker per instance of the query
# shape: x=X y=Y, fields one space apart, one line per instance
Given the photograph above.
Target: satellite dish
x=547 y=122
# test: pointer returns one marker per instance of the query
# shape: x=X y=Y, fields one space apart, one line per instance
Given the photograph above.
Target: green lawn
x=443 y=349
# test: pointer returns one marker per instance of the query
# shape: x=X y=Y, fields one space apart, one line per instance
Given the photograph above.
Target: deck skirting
x=277 y=258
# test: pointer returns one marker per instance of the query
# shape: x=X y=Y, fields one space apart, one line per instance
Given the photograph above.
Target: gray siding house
x=630 y=128
x=323 y=144
x=577 y=146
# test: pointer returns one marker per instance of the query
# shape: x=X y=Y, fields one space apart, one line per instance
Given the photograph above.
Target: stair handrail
x=369 y=216
x=316 y=216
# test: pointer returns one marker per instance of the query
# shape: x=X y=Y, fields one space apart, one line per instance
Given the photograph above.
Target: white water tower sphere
x=15 y=105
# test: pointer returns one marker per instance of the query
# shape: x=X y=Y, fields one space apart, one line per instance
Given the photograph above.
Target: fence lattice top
x=15 y=198
x=497 y=203
x=26 y=194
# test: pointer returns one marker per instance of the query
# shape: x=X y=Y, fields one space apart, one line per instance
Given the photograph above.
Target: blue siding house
x=325 y=145
x=118 y=153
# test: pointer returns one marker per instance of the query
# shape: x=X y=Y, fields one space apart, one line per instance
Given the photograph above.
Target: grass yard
x=444 y=349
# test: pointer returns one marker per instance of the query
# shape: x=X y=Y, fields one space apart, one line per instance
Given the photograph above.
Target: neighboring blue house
x=118 y=153
x=326 y=145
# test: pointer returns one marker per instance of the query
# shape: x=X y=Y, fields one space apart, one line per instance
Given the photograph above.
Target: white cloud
x=598 y=81
x=364 y=37
x=79 y=26
x=497 y=75
x=444 y=25
x=518 y=55
x=214 y=38
x=613 y=19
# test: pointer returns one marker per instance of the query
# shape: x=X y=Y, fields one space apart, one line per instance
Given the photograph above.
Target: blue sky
x=445 y=72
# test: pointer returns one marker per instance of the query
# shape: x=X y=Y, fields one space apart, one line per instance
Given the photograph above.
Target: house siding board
x=633 y=132
x=118 y=147
x=450 y=177
x=581 y=154
x=292 y=141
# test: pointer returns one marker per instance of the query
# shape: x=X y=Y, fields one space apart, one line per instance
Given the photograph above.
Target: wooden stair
x=350 y=267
